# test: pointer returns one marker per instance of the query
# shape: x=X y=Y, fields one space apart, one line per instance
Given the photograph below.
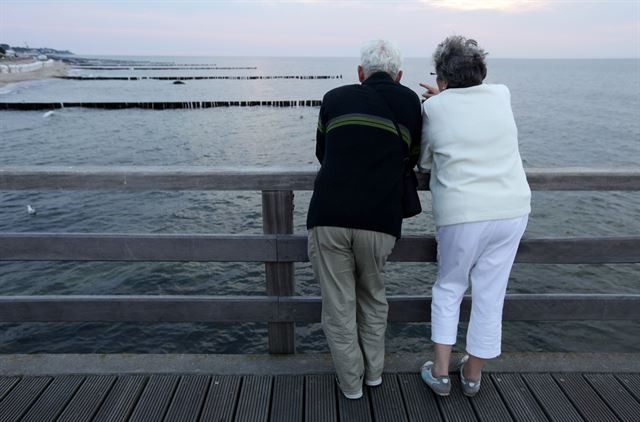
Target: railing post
x=277 y=218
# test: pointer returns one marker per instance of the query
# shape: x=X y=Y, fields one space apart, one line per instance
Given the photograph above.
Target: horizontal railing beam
x=137 y=247
x=156 y=178
x=517 y=307
x=578 y=250
x=52 y=308
x=539 y=307
x=171 y=178
x=282 y=248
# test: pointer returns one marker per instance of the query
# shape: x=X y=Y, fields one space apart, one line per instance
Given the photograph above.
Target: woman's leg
x=473 y=368
x=441 y=363
x=489 y=278
x=458 y=247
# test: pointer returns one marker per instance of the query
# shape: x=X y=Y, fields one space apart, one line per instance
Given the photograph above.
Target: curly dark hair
x=460 y=62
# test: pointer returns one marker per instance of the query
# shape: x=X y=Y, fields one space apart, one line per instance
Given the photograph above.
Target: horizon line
x=347 y=57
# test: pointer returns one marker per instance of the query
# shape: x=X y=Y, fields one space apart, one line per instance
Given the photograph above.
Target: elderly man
x=355 y=214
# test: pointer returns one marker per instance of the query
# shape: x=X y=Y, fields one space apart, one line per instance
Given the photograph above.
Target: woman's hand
x=430 y=90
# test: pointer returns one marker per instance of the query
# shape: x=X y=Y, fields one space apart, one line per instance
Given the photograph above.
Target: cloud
x=500 y=5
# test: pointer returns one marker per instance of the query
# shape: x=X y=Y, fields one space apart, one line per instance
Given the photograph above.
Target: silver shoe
x=374 y=382
x=353 y=396
x=469 y=388
x=440 y=385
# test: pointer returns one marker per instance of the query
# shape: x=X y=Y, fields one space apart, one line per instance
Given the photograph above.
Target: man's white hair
x=380 y=56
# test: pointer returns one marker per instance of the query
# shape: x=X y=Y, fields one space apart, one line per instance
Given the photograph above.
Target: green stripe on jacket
x=367 y=120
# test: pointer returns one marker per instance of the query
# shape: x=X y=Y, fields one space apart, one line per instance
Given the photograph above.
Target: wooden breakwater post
x=191 y=78
x=164 y=68
x=277 y=218
x=162 y=105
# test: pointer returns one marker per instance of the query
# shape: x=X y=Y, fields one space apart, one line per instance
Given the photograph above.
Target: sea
x=570 y=113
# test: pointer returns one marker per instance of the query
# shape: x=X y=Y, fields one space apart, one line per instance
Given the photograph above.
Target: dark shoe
x=469 y=388
x=440 y=385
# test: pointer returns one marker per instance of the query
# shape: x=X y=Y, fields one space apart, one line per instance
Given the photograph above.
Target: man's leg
x=371 y=250
x=333 y=265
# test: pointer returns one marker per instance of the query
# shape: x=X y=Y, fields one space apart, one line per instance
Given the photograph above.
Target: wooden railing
x=279 y=249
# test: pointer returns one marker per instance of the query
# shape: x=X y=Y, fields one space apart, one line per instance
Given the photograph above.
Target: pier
x=283 y=385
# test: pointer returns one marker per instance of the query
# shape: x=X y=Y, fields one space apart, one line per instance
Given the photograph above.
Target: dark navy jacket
x=362 y=159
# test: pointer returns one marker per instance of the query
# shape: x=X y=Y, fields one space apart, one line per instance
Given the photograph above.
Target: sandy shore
x=58 y=69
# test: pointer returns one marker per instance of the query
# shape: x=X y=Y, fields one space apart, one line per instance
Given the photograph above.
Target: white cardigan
x=470 y=143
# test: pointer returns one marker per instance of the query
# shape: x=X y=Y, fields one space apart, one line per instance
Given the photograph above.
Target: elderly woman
x=481 y=203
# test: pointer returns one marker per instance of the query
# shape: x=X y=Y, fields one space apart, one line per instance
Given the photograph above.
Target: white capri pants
x=483 y=252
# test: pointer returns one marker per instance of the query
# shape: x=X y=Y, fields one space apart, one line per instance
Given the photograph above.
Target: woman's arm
x=426 y=154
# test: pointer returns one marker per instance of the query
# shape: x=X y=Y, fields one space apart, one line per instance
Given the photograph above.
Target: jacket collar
x=378 y=77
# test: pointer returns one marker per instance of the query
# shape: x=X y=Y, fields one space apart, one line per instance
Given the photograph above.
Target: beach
x=58 y=68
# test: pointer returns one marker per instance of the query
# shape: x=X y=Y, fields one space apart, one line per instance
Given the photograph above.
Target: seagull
x=31 y=210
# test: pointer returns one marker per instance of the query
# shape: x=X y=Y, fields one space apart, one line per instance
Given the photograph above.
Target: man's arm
x=320 y=132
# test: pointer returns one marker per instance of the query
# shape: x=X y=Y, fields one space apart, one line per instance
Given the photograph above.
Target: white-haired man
x=355 y=214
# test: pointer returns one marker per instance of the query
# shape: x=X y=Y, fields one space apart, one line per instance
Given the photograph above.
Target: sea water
x=583 y=113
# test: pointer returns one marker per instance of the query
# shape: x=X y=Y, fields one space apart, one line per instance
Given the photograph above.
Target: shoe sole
x=441 y=394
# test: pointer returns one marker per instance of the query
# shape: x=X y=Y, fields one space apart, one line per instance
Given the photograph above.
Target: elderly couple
x=465 y=134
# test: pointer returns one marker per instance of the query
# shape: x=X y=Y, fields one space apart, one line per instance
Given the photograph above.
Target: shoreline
x=58 y=68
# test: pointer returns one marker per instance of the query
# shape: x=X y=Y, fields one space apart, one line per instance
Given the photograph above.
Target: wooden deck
x=402 y=397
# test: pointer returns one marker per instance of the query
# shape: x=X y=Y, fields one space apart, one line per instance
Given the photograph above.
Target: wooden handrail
x=282 y=248
x=278 y=248
x=272 y=178
x=279 y=309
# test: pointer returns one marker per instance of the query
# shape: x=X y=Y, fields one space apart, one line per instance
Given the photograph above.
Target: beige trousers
x=348 y=265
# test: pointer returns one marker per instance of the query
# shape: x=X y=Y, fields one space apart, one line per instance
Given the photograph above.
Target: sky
x=324 y=28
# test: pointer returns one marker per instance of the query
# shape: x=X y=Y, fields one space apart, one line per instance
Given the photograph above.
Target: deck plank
x=54 y=399
x=188 y=399
x=632 y=383
x=287 y=404
x=386 y=400
x=355 y=410
x=121 y=399
x=553 y=401
x=19 y=399
x=419 y=400
x=616 y=396
x=519 y=400
x=289 y=398
x=584 y=398
x=456 y=407
x=87 y=399
x=320 y=398
x=488 y=404
x=155 y=398
x=220 y=404
x=255 y=396
x=6 y=384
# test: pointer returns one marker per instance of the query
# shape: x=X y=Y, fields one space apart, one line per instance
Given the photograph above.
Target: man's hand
x=430 y=90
